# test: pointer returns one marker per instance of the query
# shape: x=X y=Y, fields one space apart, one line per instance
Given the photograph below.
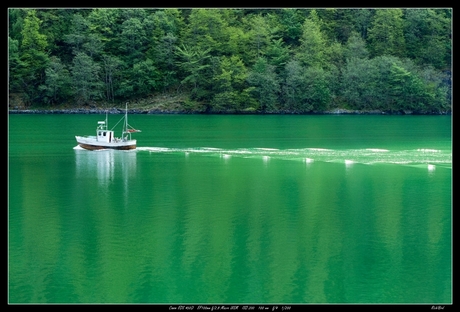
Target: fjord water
x=232 y=209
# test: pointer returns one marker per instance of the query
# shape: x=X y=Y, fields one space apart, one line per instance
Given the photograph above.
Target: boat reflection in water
x=105 y=165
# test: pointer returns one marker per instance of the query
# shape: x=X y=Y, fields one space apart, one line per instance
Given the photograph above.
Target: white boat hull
x=91 y=143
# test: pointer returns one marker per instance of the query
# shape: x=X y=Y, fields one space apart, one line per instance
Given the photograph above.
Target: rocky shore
x=178 y=104
x=84 y=111
x=337 y=111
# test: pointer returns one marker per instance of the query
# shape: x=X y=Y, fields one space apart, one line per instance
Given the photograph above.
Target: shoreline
x=183 y=112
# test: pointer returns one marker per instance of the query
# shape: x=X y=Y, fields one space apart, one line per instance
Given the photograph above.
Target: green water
x=232 y=209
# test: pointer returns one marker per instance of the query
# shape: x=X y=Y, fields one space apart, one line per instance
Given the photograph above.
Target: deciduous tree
x=263 y=77
x=33 y=55
x=57 y=82
x=85 y=78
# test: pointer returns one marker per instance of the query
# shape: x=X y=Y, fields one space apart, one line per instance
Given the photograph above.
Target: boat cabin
x=104 y=135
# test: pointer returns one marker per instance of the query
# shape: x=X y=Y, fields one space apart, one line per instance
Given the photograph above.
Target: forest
x=217 y=60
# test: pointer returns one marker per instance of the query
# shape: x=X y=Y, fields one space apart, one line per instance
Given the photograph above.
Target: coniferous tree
x=313 y=45
x=386 y=36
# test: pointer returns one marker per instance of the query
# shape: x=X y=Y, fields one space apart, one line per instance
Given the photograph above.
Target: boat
x=105 y=139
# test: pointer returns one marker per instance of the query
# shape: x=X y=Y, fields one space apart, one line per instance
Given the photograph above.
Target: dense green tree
x=427 y=34
x=305 y=89
x=207 y=29
x=13 y=51
x=266 y=86
x=291 y=25
x=166 y=21
x=129 y=13
x=16 y=23
x=86 y=81
x=415 y=26
x=145 y=78
x=386 y=35
x=260 y=36
x=93 y=45
x=387 y=83
x=239 y=43
x=329 y=23
x=231 y=92
x=362 y=20
x=406 y=89
x=334 y=55
x=194 y=62
x=313 y=44
x=358 y=87
x=294 y=93
x=167 y=24
x=78 y=33
x=165 y=58
x=133 y=39
x=111 y=67
x=57 y=83
x=344 y=26
x=265 y=60
x=33 y=57
x=33 y=42
x=278 y=54
x=416 y=89
x=383 y=96
x=14 y=66
x=355 y=47
x=55 y=24
x=317 y=88
x=437 y=84
x=107 y=24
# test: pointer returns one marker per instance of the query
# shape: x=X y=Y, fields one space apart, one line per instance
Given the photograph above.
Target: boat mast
x=126 y=117
x=126 y=121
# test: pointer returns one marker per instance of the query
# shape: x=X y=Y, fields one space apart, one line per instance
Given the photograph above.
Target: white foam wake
x=368 y=156
x=377 y=150
x=428 y=150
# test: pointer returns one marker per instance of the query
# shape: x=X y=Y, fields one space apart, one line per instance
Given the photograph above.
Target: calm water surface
x=232 y=209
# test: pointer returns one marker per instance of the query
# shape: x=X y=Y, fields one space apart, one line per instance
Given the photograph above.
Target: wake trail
x=311 y=154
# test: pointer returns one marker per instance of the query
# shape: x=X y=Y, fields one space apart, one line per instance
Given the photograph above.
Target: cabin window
x=104 y=133
x=99 y=134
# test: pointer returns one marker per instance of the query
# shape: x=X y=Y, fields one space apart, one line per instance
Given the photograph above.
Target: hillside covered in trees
x=233 y=60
